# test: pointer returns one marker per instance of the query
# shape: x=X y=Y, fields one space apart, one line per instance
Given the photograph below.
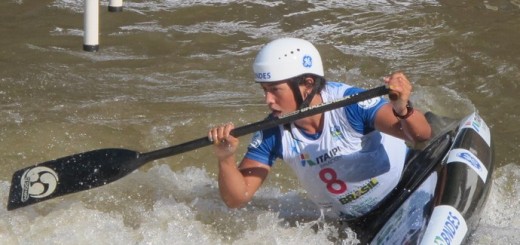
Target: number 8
x=334 y=185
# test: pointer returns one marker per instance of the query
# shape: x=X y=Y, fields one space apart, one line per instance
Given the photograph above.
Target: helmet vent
x=292 y=52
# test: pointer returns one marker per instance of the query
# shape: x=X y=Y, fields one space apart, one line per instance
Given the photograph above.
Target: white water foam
x=164 y=207
x=499 y=222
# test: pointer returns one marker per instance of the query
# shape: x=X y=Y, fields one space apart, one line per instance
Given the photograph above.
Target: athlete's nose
x=269 y=98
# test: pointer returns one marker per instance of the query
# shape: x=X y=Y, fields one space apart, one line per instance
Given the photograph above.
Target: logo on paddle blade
x=38 y=182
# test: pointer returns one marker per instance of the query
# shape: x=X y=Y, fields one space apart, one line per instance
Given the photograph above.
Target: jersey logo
x=335 y=132
x=256 y=140
x=305 y=159
x=294 y=147
x=331 y=154
x=367 y=104
x=359 y=192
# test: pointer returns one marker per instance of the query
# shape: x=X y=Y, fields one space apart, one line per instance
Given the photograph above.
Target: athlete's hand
x=400 y=91
x=224 y=144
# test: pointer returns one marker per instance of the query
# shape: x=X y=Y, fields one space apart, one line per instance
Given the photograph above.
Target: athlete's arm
x=413 y=126
x=237 y=184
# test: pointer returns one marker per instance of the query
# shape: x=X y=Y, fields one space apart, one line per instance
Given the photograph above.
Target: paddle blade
x=70 y=174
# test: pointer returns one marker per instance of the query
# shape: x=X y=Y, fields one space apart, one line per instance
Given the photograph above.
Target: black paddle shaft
x=270 y=123
x=91 y=169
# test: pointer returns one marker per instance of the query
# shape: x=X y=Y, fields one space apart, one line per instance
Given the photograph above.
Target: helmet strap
x=310 y=96
x=294 y=84
x=300 y=102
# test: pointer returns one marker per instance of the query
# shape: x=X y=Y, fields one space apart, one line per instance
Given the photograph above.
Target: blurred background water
x=168 y=70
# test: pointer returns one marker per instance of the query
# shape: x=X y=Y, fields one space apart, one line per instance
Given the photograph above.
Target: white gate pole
x=115 y=5
x=91 y=26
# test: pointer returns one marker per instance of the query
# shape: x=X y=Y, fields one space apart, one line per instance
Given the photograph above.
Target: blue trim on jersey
x=310 y=136
x=360 y=119
x=271 y=141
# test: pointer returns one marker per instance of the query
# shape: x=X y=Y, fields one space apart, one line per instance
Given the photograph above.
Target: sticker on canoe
x=467 y=157
x=446 y=226
x=476 y=123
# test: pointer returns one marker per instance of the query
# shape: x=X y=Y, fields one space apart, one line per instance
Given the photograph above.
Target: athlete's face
x=279 y=98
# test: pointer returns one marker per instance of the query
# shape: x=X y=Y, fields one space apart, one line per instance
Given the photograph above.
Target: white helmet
x=286 y=58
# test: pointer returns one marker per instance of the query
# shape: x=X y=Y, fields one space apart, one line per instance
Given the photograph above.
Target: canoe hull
x=441 y=193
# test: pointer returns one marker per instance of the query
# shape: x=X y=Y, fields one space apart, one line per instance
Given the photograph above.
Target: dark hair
x=318 y=80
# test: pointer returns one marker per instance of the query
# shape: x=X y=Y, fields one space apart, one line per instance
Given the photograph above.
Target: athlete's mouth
x=276 y=112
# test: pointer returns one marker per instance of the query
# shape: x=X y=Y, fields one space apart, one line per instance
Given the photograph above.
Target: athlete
x=347 y=159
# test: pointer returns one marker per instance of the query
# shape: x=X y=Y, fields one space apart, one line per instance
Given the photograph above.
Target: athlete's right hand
x=224 y=144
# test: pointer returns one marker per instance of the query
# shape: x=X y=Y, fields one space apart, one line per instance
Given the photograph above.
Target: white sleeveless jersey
x=344 y=168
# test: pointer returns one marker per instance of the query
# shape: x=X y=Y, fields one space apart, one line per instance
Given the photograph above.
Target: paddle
x=91 y=169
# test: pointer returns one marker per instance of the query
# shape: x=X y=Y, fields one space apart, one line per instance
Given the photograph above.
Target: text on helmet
x=263 y=75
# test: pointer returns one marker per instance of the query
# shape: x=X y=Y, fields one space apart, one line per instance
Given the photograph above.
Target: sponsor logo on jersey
x=294 y=147
x=367 y=104
x=359 y=192
x=336 y=133
x=306 y=159
x=256 y=140
x=329 y=155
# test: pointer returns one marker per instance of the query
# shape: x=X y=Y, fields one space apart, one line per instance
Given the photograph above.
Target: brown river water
x=167 y=70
